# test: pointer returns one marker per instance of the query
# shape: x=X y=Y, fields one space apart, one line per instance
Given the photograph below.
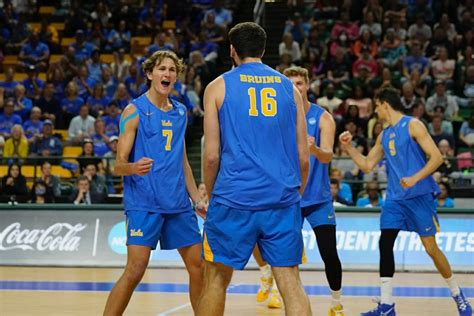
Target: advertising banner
x=97 y=238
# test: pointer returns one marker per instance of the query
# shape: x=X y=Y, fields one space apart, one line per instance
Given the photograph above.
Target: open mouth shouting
x=165 y=83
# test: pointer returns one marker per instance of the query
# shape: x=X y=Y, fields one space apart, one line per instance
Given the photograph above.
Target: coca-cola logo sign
x=57 y=237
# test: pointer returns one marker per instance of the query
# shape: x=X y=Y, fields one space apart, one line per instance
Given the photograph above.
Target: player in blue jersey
x=158 y=182
x=316 y=202
x=256 y=164
x=411 y=191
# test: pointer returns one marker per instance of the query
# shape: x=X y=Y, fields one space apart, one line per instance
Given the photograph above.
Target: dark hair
x=335 y=181
x=248 y=39
x=447 y=186
x=82 y=178
x=392 y=97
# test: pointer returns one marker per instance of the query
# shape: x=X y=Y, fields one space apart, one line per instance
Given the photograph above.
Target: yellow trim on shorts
x=436 y=224
x=208 y=255
x=304 y=260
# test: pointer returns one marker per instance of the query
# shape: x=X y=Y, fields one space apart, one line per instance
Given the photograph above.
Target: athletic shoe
x=337 y=310
x=265 y=286
x=275 y=300
x=381 y=310
x=464 y=307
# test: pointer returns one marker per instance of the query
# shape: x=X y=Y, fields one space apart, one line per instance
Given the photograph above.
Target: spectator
x=82 y=126
x=16 y=147
x=46 y=145
x=68 y=67
x=418 y=111
x=443 y=68
x=52 y=182
x=82 y=48
x=98 y=100
x=441 y=99
x=9 y=83
x=448 y=27
x=443 y=198
x=71 y=104
x=466 y=132
x=373 y=198
x=94 y=67
x=365 y=40
x=214 y=32
x=82 y=194
x=34 y=125
x=101 y=13
x=421 y=86
x=150 y=17
x=120 y=38
x=447 y=167
x=445 y=126
x=49 y=35
x=84 y=82
x=112 y=119
x=134 y=81
x=23 y=105
x=121 y=96
x=466 y=97
x=285 y=62
x=314 y=45
x=420 y=31
x=375 y=8
x=371 y=25
x=363 y=103
x=330 y=102
x=40 y=194
x=99 y=138
x=57 y=77
x=416 y=62
x=397 y=29
x=338 y=70
x=120 y=65
x=207 y=48
x=87 y=156
x=159 y=44
x=437 y=132
x=338 y=201
x=108 y=82
x=365 y=61
x=49 y=104
x=14 y=187
x=109 y=157
x=393 y=51
x=34 y=53
x=341 y=43
x=345 y=26
x=409 y=99
x=289 y=46
x=223 y=16
x=8 y=118
x=297 y=28
x=97 y=181
x=439 y=41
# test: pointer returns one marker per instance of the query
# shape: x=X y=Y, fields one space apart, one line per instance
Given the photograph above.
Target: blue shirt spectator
x=72 y=105
x=99 y=103
x=22 y=104
x=120 y=38
x=159 y=44
x=8 y=118
x=9 y=83
x=373 y=198
x=83 y=49
x=47 y=145
x=223 y=16
x=443 y=199
x=30 y=84
x=34 y=125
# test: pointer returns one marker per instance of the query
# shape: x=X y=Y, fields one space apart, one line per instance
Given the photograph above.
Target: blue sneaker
x=464 y=307
x=381 y=310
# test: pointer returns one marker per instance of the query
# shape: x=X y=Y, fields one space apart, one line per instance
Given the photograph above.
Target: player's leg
x=217 y=277
x=143 y=231
x=137 y=261
x=266 y=280
x=192 y=260
x=229 y=238
x=323 y=220
x=281 y=245
x=181 y=231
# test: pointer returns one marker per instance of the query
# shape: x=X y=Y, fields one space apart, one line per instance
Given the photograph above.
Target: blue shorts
x=417 y=215
x=173 y=231
x=319 y=214
x=231 y=234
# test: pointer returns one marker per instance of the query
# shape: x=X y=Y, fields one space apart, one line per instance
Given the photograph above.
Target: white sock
x=453 y=286
x=336 y=298
x=386 y=291
x=266 y=271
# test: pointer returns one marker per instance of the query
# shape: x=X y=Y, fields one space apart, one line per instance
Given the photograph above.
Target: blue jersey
x=160 y=136
x=259 y=166
x=404 y=159
x=318 y=188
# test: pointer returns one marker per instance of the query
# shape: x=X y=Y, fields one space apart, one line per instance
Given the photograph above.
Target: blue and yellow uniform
x=411 y=209
x=316 y=202
x=157 y=204
x=255 y=198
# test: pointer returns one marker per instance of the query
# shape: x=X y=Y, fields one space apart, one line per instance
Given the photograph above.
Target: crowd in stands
x=352 y=49
x=77 y=77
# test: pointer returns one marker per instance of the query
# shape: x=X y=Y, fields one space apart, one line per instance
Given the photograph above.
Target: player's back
x=259 y=166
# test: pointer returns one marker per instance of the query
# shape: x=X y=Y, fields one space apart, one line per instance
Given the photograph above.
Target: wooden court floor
x=83 y=291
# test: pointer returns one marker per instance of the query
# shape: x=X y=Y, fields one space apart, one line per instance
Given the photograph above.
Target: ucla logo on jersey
x=392 y=135
x=312 y=121
x=136 y=233
x=181 y=112
x=166 y=123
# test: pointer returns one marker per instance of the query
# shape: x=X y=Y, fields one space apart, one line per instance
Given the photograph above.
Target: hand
x=345 y=138
x=143 y=166
x=10 y=181
x=45 y=153
x=311 y=141
x=201 y=209
x=408 y=182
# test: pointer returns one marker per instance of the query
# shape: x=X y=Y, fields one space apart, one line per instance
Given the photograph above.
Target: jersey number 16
x=268 y=104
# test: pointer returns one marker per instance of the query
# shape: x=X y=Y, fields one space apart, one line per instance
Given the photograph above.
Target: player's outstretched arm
x=365 y=163
x=301 y=139
x=128 y=130
x=419 y=133
x=324 y=152
x=213 y=96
